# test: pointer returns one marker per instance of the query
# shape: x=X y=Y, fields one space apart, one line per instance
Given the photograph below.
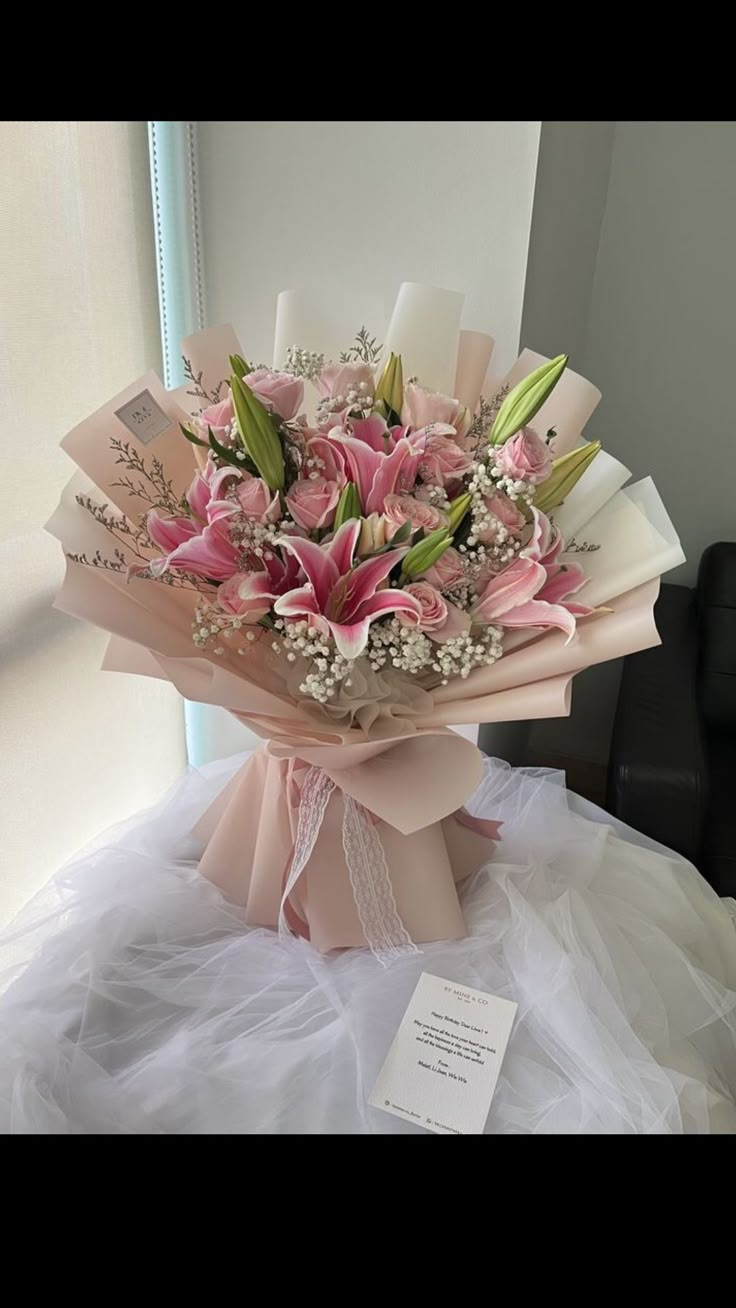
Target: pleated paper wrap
x=343 y=835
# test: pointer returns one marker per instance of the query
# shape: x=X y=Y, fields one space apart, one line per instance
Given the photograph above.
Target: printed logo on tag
x=143 y=417
x=442 y=1068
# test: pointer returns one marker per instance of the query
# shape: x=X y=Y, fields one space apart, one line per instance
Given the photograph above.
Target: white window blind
x=80 y=748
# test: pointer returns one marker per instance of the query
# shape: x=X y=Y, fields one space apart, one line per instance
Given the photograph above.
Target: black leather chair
x=672 y=767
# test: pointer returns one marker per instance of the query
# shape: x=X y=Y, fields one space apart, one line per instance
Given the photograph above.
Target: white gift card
x=442 y=1068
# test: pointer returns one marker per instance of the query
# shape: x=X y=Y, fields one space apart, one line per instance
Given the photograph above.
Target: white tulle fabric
x=135 y=1001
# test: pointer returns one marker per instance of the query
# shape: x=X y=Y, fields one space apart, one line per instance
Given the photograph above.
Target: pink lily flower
x=341 y=600
x=380 y=464
x=531 y=590
x=250 y=595
x=565 y=579
x=210 y=554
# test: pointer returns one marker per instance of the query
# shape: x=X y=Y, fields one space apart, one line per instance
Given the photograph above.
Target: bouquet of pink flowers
x=352 y=560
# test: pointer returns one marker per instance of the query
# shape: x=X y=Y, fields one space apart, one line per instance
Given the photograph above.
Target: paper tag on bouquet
x=442 y=1068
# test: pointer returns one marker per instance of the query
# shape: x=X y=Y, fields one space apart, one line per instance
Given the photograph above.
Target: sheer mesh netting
x=136 y=1001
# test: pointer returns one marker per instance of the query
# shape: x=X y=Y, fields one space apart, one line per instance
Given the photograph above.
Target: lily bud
x=372 y=534
x=239 y=365
x=458 y=509
x=526 y=399
x=258 y=434
x=566 y=473
x=426 y=553
x=390 y=389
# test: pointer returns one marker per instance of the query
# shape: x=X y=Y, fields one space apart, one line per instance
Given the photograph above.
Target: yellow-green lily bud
x=566 y=472
x=526 y=399
x=457 y=511
x=239 y=365
x=348 y=505
x=258 y=434
x=425 y=553
x=390 y=389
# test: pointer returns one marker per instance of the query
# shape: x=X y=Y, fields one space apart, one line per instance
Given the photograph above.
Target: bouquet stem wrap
x=357 y=850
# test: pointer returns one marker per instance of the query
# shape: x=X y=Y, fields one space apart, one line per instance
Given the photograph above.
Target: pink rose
x=256 y=500
x=525 y=457
x=218 y=417
x=443 y=462
x=440 y=620
x=338 y=381
x=506 y=513
x=434 y=609
x=326 y=458
x=312 y=503
x=421 y=408
x=399 y=509
x=447 y=571
x=280 y=392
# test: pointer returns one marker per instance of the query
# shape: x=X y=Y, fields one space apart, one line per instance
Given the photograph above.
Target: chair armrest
x=658 y=771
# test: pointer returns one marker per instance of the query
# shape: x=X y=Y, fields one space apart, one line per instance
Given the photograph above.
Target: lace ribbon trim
x=373 y=893
x=384 y=931
x=315 y=796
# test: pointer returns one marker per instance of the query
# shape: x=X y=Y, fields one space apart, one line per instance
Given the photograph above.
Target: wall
x=569 y=204
x=78 y=320
x=363 y=206
x=357 y=208
x=661 y=335
x=650 y=320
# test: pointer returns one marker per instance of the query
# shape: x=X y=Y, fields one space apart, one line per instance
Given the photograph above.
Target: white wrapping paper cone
x=596 y=487
x=636 y=541
x=323 y=321
x=424 y=330
x=473 y=357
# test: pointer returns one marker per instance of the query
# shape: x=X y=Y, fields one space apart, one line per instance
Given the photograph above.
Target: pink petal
x=320 y=568
x=297 y=603
x=363 y=463
x=351 y=638
x=373 y=431
x=537 y=613
x=388 y=474
x=364 y=580
x=541 y=537
x=209 y=555
x=515 y=585
x=562 y=581
x=342 y=546
x=167 y=533
x=389 y=601
x=458 y=622
x=199 y=496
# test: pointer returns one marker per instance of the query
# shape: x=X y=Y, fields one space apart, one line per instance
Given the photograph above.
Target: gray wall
x=632 y=271
x=569 y=203
x=661 y=339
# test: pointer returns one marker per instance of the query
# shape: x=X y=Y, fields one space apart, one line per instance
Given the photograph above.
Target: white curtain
x=78 y=320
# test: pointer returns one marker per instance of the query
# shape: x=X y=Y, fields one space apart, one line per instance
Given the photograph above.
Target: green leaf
x=189 y=435
x=402 y=534
x=348 y=506
x=222 y=452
